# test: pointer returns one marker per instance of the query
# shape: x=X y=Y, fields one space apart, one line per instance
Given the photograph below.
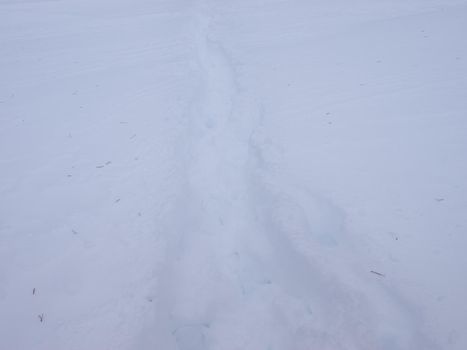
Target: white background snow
x=189 y=174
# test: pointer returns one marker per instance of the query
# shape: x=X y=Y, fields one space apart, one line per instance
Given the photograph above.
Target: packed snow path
x=241 y=269
x=200 y=175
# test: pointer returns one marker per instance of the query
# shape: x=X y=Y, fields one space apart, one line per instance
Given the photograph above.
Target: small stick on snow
x=377 y=273
x=41 y=317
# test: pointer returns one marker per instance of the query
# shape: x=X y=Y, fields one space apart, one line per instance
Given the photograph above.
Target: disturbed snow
x=257 y=174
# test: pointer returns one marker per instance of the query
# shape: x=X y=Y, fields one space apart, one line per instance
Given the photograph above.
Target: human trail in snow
x=253 y=261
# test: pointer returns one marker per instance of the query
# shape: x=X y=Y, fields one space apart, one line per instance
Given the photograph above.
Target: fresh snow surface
x=233 y=175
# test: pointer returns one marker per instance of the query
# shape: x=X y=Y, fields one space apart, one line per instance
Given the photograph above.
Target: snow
x=261 y=174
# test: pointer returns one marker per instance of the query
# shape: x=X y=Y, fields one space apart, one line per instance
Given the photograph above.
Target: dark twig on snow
x=377 y=273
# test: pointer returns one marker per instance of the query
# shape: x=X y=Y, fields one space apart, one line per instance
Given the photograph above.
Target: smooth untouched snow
x=261 y=174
